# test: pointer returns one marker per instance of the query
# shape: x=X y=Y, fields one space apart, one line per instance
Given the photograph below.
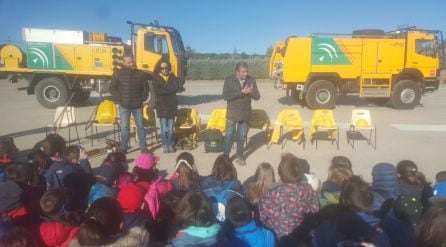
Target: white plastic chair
x=361 y=120
x=64 y=117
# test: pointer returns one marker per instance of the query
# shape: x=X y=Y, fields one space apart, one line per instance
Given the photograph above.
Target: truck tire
x=52 y=92
x=81 y=96
x=406 y=95
x=321 y=94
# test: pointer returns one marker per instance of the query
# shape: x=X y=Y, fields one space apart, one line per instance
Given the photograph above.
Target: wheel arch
x=333 y=77
x=36 y=77
x=409 y=74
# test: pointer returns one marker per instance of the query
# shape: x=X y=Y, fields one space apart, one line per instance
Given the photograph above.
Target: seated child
x=246 y=231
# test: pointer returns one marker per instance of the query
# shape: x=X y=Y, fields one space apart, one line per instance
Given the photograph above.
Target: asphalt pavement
x=418 y=134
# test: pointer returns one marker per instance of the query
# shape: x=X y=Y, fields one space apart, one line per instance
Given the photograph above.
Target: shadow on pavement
x=198 y=99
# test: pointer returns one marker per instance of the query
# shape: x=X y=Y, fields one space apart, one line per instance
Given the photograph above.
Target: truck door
x=83 y=56
x=102 y=61
x=382 y=56
x=369 y=56
x=421 y=53
x=390 y=56
x=151 y=46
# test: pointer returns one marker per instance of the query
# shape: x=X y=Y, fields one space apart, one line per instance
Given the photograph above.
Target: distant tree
x=244 y=55
x=190 y=52
x=234 y=51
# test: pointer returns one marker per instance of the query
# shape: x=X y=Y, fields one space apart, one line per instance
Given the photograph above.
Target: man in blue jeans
x=238 y=90
x=130 y=88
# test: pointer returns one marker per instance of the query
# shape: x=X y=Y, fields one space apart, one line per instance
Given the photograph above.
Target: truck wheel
x=81 y=96
x=52 y=92
x=406 y=95
x=321 y=94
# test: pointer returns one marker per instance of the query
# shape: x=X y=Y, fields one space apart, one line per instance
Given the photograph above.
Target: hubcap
x=407 y=96
x=323 y=96
x=51 y=94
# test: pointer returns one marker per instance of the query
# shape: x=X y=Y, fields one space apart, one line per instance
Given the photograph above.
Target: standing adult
x=238 y=90
x=130 y=87
x=165 y=85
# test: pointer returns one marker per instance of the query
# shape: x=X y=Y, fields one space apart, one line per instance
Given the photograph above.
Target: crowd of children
x=58 y=199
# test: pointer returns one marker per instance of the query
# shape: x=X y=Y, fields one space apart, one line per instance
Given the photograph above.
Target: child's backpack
x=152 y=198
x=106 y=112
x=220 y=200
x=214 y=141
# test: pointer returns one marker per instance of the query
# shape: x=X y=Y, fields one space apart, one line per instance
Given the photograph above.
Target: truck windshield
x=425 y=47
x=156 y=44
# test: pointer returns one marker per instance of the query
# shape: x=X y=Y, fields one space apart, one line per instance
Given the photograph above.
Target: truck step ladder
x=375 y=85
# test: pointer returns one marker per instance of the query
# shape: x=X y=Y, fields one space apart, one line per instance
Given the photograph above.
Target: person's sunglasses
x=164 y=68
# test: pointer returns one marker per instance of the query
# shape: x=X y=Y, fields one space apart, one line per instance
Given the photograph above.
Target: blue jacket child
x=246 y=232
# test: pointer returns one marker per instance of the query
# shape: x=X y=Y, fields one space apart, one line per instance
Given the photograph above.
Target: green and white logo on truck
x=40 y=55
x=325 y=51
x=46 y=56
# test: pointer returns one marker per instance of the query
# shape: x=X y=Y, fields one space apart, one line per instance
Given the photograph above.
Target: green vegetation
x=213 y=66
x=218 y=69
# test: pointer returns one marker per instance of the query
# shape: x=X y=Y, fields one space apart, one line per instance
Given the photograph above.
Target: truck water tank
x=53 y=36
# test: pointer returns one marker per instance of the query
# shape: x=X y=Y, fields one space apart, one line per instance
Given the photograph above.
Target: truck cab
x=153 y=42
x=423 y=53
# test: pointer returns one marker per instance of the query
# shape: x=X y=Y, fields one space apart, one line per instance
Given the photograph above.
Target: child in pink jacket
x=146 y=175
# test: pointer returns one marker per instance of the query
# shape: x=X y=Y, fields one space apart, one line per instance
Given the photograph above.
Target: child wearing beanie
x=131 y=199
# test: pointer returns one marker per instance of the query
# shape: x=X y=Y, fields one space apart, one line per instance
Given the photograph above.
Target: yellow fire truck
x=58 y=63
x=276 y=64
x=398 y=66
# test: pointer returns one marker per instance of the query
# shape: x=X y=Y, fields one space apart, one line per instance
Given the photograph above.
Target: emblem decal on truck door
x=40 y=55
x=325 y=51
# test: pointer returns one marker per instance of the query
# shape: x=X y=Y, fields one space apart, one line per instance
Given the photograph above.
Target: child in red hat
x=131 y=198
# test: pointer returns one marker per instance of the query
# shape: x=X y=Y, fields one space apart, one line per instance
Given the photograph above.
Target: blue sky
x=221 y=25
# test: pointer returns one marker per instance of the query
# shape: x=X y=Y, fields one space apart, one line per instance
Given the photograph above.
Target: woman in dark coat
x=165 y=85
